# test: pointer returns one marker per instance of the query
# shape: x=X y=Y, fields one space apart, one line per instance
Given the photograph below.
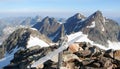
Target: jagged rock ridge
x=98 y=28
x=47 y=26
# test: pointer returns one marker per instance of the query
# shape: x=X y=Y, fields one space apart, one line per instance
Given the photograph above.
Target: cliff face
x=47 y=26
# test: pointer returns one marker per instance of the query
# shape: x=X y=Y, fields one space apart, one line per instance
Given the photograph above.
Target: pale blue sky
x=58 y=8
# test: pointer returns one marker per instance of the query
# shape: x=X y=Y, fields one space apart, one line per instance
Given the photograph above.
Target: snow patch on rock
x=84 y=38
x=33 y=41
x=92 y=26
x=114 y=45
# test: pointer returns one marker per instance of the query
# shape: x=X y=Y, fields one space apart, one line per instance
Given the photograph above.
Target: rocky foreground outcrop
x=77 y=56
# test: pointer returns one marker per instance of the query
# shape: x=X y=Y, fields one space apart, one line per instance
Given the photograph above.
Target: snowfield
x=114 y=45
x=84 y=38
x=33 y=41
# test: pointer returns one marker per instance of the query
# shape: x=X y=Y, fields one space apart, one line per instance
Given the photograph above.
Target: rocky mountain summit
x=47 y=26
x=88 y=43
x=98 y=28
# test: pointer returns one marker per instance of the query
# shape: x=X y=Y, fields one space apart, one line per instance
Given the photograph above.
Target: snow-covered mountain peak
x=79 y=16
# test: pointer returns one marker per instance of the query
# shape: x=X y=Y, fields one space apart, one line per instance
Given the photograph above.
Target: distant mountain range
x=97 y=27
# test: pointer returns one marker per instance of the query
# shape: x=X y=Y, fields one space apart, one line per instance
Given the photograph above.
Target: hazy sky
x=58 y=8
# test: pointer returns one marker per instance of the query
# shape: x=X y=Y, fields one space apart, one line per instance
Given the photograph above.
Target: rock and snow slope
x=21 y=39
x=84 y=38
x=96 y=29
x=33 y=41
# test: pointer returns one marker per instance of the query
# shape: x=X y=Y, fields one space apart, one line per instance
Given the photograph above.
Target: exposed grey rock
x=47 y=26
x=88 y=50
x=32 y=54
x=20 y=38
x=103 y=30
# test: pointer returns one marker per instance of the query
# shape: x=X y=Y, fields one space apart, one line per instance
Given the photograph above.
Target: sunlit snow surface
x=33 y=41
x=114 y=45
x=8 y=57
x=84 y=38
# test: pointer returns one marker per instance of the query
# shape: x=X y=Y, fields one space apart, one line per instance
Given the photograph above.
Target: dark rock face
x=72 y=22
x=109 y=53
x=47 y=26
x=104 y=30
x=20 y=37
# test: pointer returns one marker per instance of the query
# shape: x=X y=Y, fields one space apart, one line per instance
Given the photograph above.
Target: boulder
x=117 y=55
x=73 y=48
x=109 y=53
